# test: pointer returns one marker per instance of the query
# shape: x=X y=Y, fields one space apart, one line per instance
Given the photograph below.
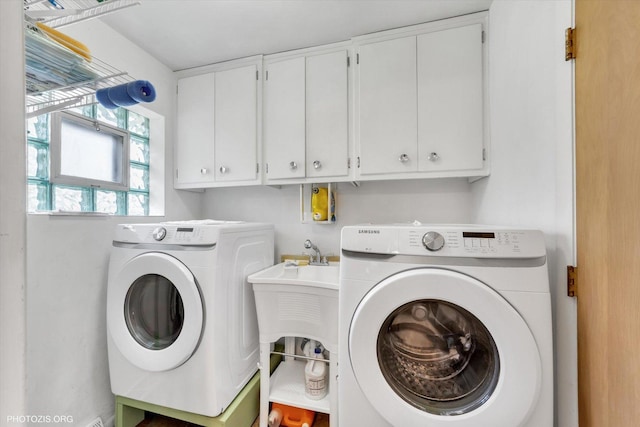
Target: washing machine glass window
x=154 y=312
x=438 y=357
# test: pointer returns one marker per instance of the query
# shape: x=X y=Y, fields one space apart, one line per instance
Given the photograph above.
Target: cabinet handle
x=293 y=166
x=404 y=158
x=223 y=169
x=204 y=171
x=317 y=164
x=433 y=157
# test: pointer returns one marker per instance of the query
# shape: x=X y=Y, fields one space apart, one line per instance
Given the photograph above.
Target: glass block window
x=43 y=195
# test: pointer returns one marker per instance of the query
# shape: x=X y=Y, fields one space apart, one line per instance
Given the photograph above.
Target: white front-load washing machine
x=444 y=326
x=182 y=329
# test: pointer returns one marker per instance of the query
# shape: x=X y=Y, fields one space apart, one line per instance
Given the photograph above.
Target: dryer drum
x=154 y=312
x=435 y=351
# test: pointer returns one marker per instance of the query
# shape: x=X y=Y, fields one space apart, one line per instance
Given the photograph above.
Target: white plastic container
x=275 y=418
x=315 y=375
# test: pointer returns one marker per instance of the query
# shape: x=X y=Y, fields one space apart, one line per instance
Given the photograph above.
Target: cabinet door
x=195 y=113
x=450 y=99
x=327 y=148
x=284 y=119
x=236 y=124
x=387 y=119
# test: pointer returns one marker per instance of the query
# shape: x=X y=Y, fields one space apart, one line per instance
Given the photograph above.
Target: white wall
x=444 y=201
x=67 y=368
x=12 y=214
x=531 y=182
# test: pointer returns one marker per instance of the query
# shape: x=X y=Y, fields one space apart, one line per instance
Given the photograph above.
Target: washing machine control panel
x=433 y=241
x=453 y=241
x=159 y=233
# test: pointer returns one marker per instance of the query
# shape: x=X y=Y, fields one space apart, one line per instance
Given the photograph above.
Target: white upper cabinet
x=194 y=146
x=284 y=116
x=413 y=104
x=327 y=107
x=236 y=124
x=306 y=116
x=218 y=126
x=450 y=100
x=387 y=120
x=420 y=101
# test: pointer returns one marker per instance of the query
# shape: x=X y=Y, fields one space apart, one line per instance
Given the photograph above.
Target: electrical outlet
x=96 y=423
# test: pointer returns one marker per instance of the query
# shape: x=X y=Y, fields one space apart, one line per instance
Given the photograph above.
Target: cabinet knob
x=433 y=157
x=317 y=164
x=204 y=171
x=223 y=169
x=403 y=158
x=293 y=166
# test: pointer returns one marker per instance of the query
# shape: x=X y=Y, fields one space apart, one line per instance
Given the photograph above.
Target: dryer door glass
x=154 y=312
x=438 y=357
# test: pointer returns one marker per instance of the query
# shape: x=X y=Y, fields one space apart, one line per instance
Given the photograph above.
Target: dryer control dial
x=159 y=233
x=433 y=241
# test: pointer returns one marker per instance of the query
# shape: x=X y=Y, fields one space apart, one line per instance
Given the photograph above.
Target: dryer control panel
x=167 y=234
x=447 y=241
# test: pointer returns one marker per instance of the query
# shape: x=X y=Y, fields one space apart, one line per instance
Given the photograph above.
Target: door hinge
x=484 y=154
x=348 y=62
x=572 y=281
x=483 y=36
x=570 y=44
x=266 y=168
x=358 y=162
x=257 y=75
x=357 y=58
x=349 y=163
x=266 y=75
x=257 y=167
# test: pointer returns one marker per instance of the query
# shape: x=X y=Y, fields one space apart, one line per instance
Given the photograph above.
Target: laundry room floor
x=322 y=420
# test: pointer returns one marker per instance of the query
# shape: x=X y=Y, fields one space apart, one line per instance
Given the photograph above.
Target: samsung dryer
x=444 y=326
x=181 y=324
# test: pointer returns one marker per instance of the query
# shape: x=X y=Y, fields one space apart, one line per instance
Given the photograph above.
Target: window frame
x=132 y=202
x=55 y=152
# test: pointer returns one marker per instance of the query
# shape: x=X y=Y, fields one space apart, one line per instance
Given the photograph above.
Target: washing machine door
x=155 y=312
x=435 y=347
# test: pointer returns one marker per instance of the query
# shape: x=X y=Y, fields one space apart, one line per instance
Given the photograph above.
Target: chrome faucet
x=317 y=259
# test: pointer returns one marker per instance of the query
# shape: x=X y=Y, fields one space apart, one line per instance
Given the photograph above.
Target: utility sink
x=321 y=276
x=298 y=301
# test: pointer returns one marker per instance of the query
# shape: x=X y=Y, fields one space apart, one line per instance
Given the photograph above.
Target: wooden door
x=236 y=124
x=608 y=211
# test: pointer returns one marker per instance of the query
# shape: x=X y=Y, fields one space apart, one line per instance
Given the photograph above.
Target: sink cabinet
x=289 y=304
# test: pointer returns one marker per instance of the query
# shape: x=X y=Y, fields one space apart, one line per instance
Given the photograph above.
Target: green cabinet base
x=241 y=413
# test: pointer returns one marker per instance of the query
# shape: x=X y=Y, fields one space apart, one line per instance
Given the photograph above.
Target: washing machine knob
x=159 y=233
x=433 y=241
